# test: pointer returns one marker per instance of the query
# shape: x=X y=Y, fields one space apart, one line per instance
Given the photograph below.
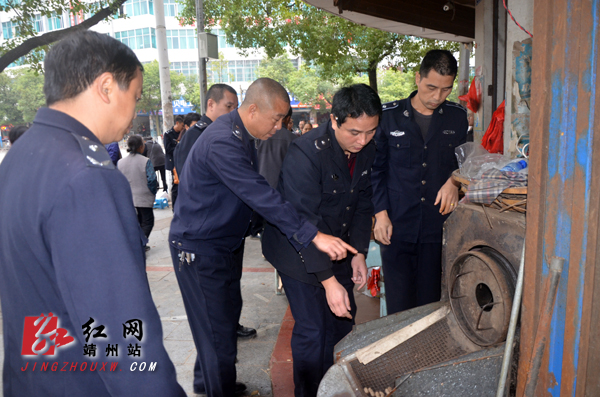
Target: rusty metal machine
x=449 y=348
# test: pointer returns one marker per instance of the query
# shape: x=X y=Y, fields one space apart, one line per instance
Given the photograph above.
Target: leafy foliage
x=340 y=48
x=151 y=98
x=29 y=87
x=25 y=41
x=9 y=97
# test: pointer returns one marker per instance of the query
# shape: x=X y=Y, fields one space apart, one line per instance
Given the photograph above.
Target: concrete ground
x=263 y=310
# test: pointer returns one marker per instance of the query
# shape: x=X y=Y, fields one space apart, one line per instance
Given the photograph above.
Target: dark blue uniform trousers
x=412 y=274
x=316 y=330
x=210 y=288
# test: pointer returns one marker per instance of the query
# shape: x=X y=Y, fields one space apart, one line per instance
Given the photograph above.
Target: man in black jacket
x=170 y=140
x=326 y=176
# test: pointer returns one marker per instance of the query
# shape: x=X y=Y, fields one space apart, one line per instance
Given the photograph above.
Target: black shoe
x=245 y=332
x=240 y=388
x=147 y=248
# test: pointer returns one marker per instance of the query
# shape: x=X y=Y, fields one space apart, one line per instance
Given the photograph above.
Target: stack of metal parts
x=448 y=348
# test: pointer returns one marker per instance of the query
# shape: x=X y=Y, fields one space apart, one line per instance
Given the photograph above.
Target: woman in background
x=139 y=171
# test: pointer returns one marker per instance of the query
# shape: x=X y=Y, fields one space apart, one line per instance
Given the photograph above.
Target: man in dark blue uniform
x=326 y=176
x=77 y=311
x=219 y=188
x=220 y=99
x=170 y=141
x=413 y=190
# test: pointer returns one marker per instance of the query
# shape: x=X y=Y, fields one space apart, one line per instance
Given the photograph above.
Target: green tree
x=393 y=84
x=192 y=92
x=279 y=69
x=9 y=98
x=26 y=42
x=309 y=87
x=30 y=88
x=150 y=101
x=219 y=70
x=340 y=47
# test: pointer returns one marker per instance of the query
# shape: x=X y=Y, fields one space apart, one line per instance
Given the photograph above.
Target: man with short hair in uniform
x=73 y=281
x=220 y=99
x=413 y=189
x=220 y=186
x=326 y=177
x=170 y=140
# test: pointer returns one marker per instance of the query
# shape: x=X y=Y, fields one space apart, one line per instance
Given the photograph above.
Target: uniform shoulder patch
x=95 y=154
x=201 y=124
x=390 y=105
x=322 y=142
x=237 y=132
x=456 y=105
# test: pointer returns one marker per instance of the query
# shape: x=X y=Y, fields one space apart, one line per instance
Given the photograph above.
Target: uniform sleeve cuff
x=324 y=275
x=304 y=236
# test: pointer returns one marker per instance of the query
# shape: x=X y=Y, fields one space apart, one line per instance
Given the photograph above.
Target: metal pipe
x=541 y=334
x=512 y=326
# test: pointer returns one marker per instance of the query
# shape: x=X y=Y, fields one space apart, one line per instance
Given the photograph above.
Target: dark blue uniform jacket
x=170 y=143
x=70 y=244
x=408 y=171
x=219 y=188
x=315 y=178
x=182 y=150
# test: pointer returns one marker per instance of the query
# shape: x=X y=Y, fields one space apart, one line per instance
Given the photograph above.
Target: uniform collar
x=57 y=119
x=206 y=119
x=436 y=120
x=339 y=156
x=409 y=111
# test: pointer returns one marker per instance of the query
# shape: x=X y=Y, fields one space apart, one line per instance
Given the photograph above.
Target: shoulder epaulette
x=201 y=124
x=322 y=142
x=237 y=133
x=456 y=105
x=390 y=105
x=95 y=154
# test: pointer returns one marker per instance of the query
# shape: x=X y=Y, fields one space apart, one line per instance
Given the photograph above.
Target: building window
x=171 y=8
x=55 y=22
x=185 y=68
x=232 y=71
x=182 y=39
x=38 y=23
x=7 y=30
x=133 y=8
x=138 y=39
x=222 y=38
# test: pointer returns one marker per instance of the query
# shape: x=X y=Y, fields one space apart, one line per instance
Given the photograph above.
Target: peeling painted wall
x=521 y=96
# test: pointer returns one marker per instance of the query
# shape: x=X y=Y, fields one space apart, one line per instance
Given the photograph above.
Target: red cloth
x=493 y=140
x=472 y=98
x=352 y=163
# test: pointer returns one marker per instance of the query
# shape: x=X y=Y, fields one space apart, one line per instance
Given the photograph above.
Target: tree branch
x=48 y=38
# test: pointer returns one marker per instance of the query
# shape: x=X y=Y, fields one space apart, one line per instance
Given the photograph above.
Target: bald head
x=264 y=92
x=265 y=105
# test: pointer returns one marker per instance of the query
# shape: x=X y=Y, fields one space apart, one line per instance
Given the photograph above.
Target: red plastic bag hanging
x=493 y=140
x=473 y=96
x=373 y=281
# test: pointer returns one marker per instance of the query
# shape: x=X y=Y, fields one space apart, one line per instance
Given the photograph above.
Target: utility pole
x=163 y=65
x=201 y=59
